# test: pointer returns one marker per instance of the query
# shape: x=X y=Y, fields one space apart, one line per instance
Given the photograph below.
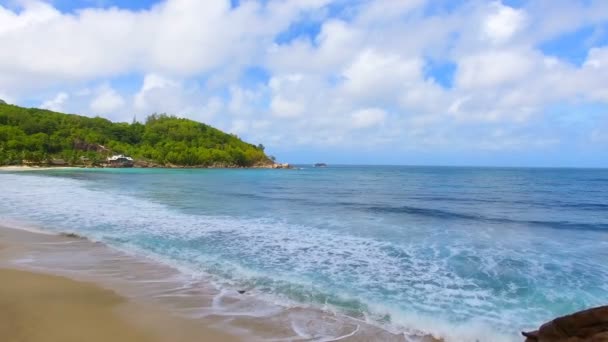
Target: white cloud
x=549 y=19
x=597 y=59
x=175 y=37
x=57 y=103
x=6 y=97
x=209 y=110
x=243 y=102
x=239 y=126
x=332 y=88
x=337 y=42
x=368 y=117
x=374 y=74
x=373 y=12
x=494 y=68
x=107 y=101
x=285 y=108
x=152 y=89
x=502 y=22
x=35 y=13
x=287 y=95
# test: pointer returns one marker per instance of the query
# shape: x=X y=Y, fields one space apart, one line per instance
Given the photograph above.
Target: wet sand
x=13 y=168
x=67 y=278
x=36 y=307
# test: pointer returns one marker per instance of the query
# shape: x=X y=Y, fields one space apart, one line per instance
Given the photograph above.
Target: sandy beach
x=14 y=168
x=37 y=307
x=64 y=288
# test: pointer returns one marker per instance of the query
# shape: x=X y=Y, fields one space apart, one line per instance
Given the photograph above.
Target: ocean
x=463 y=253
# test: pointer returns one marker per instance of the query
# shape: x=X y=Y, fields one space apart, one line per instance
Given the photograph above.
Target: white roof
x=119 y=156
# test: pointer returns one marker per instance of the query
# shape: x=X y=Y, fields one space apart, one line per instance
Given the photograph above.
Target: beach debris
x=587 y=325
x=72 y=236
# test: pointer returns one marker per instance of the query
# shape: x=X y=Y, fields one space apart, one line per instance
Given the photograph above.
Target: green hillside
x=37 y=136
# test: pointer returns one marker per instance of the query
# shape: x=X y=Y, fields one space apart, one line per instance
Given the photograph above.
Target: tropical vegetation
x=38 y=136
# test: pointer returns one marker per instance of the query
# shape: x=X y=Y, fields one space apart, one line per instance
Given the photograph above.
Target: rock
x=72 y=236
x=2 y=101
x=587 y=325
x=145 y=164
x=282 y=166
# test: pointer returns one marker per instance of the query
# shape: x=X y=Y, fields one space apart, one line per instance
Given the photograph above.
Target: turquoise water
x=436 y=249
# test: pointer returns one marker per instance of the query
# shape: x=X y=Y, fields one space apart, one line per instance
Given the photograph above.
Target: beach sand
x=13 y=168
x=151 y=302
x=37 y=307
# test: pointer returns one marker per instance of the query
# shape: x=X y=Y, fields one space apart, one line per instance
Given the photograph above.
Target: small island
x=38 y=137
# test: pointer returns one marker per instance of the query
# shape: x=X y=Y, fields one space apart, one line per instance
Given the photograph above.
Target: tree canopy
x=38 y=135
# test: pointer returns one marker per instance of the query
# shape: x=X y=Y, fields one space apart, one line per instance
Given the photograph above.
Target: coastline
x=153 y=292
x=17 y=168
x=39 y=305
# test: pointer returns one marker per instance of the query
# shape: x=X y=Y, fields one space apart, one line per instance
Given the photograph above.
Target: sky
x=432 y=82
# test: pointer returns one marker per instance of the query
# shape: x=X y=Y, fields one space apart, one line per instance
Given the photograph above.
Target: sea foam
x=461 y=285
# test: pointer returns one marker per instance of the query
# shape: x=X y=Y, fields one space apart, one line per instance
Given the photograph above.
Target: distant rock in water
x=588 y=325
x=320 y=165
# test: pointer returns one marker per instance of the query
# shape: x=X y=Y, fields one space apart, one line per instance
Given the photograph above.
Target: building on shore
x=120 y=160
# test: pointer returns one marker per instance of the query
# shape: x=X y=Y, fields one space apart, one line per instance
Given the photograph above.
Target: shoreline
x=17 y=168
x=35 y=168
x=172 y=293
x=38 y=305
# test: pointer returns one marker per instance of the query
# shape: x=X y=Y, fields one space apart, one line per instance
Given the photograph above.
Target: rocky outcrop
x=282 y=166
x=589 y=325
x=145 y=164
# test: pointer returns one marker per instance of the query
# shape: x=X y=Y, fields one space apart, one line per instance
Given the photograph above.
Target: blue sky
x=509 y=83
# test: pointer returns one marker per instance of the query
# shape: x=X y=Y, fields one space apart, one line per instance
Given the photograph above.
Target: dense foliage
x=37 y=136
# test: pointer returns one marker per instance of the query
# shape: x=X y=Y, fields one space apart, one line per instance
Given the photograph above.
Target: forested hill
x=37 y=136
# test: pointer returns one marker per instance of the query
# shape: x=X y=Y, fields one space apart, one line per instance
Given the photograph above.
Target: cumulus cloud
x=375 y=74
x=56 y=103
x=107 y=101
x=181 y=37
x=342 y=69
x=291 y=95
x=155 y=91
x=502 y=22
x=368 y=117
x=494 y=68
